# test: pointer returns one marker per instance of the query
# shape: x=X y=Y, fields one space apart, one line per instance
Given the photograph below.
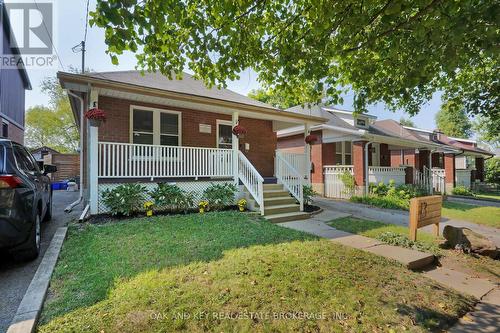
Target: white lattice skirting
x=197 y=187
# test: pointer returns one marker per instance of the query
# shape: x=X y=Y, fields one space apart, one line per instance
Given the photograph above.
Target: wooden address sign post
x=425 y=211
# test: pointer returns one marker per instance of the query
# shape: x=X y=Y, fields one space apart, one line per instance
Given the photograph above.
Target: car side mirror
x=49 y=169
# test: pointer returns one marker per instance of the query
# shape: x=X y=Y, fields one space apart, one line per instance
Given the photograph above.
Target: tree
x=452 y=120
x=52 y=126
x=406 y=122
x=492 y=174
x=395 y=51
x=269 y=97
x=488 y=130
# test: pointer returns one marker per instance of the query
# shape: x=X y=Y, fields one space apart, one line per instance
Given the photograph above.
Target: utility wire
x=50 y=38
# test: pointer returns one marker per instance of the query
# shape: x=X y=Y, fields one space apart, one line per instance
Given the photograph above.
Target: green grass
x=252 y=290
x=489 y=216
x=96 y=257
x=232 y=272
x=488 y=196
x=374 y=229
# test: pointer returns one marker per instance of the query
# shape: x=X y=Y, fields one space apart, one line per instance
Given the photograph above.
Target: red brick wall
x=396 y=158
x=358 y=158
x=260 y=134
x=423 y=156
x=16 y=134
x=449 y=169
x=293 y=143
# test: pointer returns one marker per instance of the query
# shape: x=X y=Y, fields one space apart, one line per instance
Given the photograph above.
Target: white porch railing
x=334 y=186
x=438 y=180
x=296 y=160
x=462 y=177
x=124 y=160
x=291 y=178
x=252 y=180
x=422 y=179
x=377 y=174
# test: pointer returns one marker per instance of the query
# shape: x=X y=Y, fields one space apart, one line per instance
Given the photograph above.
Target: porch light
x=311 y=138
x=239 y=131
x=95 y=116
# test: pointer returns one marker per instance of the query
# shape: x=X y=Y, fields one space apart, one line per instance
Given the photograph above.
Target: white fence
x=438 y=180
x=334 y=186
x=296 y=160
x=291 y=178
x=377 y=174
x=252 y=180
x=462 y=177
x=124 y=160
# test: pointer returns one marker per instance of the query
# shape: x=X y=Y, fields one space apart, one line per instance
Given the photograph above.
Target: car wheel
x=31 y=249
x=48 y=212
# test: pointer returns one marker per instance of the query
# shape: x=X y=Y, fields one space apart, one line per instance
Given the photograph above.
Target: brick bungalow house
x=169 y=130
x=377 y=151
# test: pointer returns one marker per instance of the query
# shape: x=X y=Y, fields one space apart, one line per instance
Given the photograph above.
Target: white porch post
x=236 y=148
x=93 y=170
x=93 y=159
x=307 y=156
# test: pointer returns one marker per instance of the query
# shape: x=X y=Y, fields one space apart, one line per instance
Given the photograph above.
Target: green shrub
x=492 y=172
x=308 y=192
x=349 y=182
x=396 y=239
x=124 y=199
x=172 y=197
x=390 y=202
x=462 y=190
x=220 y=195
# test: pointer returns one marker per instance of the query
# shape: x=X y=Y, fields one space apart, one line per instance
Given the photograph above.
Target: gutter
x=70 y=207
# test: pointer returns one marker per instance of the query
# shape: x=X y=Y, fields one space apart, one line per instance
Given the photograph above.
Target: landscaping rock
x=470 y=241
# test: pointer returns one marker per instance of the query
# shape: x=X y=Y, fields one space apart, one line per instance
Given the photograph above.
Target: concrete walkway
x=399 y=217
x=410 y=258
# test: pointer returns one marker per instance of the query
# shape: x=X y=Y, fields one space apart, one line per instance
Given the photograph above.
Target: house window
x=155 y=127
x=5 y=129
x=224 y=134
x=343 y=153
x=361 y=122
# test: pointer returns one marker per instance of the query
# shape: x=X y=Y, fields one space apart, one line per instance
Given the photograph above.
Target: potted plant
x=239 y=131
x=95 y=116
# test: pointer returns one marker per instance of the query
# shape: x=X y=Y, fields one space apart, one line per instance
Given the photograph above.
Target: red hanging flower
x=311 y=138
x=239 y=130
x=95 y=114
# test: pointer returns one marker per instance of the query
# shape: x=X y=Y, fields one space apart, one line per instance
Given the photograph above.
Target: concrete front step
x=275 y=193
x=273 y=187
x=279 y=209
x=288 y=200
x=285 y=217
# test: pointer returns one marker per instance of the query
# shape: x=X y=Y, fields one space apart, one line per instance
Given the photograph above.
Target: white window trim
x=343 y=153
x=221 y=122
x=156 y=123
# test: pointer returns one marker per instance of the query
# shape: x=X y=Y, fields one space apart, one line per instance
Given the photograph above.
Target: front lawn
x=488 y=196
x=95 y=257
x=473 y=265
x=209 y=273
x=487 y=215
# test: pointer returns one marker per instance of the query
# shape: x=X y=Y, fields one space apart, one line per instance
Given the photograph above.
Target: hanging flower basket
x=239 y=131
x=95 y=116
x=311 y=138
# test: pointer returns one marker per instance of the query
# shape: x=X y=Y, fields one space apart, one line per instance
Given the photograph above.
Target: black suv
x=25 y=200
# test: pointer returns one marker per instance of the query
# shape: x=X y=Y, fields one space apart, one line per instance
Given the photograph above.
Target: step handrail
x=252 y=180
x=291 y=179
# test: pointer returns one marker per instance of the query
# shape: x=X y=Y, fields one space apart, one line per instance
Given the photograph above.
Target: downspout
x=367 y=184
x=82 y=103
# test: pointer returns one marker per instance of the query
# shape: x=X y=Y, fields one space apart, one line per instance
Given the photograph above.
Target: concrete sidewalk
x=399 y=217
x=410 y=258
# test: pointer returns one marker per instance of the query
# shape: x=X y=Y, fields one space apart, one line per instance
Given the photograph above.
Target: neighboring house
x=162 y=130
x=41 y=152
x=357 y=144
x=68 y=166
x=13 y=84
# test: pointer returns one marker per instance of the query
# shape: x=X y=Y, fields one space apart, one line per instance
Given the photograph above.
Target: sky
x=69 y=31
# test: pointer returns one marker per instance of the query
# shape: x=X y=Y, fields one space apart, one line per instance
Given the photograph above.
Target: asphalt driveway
x=16 y=277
